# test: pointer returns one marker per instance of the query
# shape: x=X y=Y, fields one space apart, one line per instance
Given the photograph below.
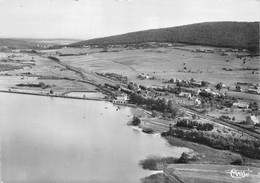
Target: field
x=59 y=78
x=212 y=173
x=167 y=64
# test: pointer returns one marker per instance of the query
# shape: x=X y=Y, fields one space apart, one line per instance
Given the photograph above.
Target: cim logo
x=239 y=173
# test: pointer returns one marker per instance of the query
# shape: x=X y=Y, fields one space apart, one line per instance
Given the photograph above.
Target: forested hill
x=230 y=34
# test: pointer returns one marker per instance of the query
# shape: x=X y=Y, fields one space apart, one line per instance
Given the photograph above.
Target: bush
x=237 y=162
x=136 y=121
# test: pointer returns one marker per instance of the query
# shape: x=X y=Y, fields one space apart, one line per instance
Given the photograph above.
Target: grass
x=9 y=67
x=156 y=178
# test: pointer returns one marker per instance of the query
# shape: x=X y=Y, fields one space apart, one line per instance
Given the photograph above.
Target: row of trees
x=246 y=147
x=194 y=124
x=159 y=104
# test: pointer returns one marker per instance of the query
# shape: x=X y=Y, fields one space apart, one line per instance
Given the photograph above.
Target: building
x=253 y=91
x=197 y=102
x=185 y=94
x=240 y=105
x=196 y=83
x=253 y=120
x=121 y=99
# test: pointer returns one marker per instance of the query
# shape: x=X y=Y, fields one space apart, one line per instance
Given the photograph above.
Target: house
x=240 y=105
x=253 y=91
x=121 y=99
x=143 y=76
x=197 y=102
x=198 y=91
x=196 y=83
x=252 y=120
x=185 y=94
x=209 y=91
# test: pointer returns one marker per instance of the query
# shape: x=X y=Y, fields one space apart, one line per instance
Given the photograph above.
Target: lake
x=47 y=139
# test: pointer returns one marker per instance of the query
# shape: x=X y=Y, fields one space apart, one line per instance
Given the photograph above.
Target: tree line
x=246 y=147
x=194 y=124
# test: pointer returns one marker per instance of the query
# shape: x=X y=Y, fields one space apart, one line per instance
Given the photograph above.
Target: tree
x=254 y=106
x=183 y=158
x=219 y=86
x=154 y=113
x=237 y=162
x=194 y=116
x=233 y=119
x=174 y=112
x=204 y=84
x=51 y=92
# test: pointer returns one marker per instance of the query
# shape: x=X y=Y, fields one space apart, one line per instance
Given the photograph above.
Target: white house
x=197 y=102
x=252 y=120
x=240 y=105
x=185 y=94
x=121 y=99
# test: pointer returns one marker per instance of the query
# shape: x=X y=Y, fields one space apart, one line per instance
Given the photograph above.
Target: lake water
x=46 y=139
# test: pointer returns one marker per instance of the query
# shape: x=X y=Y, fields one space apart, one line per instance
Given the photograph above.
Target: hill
x=17 y=44
x=222 y=34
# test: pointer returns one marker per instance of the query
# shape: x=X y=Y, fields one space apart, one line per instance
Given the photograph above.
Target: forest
x=221 y=34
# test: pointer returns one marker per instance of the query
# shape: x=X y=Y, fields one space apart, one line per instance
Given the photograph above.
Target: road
x=248 y=132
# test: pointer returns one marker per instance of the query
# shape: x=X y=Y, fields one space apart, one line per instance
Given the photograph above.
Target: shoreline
x=196 y=147
x=51 y=95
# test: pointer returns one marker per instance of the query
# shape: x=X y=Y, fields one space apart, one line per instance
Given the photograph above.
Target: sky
x=86 y=19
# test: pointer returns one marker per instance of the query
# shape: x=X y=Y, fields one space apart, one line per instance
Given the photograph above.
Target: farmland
x=168 y=64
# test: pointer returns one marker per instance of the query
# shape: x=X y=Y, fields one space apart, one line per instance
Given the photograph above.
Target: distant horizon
x=89 y=19
x=83 y=39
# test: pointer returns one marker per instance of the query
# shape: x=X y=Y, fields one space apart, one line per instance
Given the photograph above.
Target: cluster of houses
x=204 y=50
x=182 y=81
